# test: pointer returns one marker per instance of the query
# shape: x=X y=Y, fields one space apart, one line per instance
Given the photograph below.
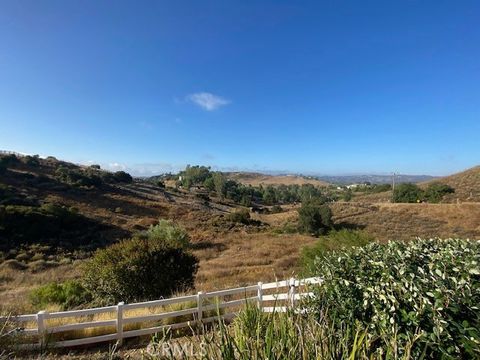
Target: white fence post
x=292 y=292
x=120 y=322
x=260 y=295
x=42 y=328
x=200 y=306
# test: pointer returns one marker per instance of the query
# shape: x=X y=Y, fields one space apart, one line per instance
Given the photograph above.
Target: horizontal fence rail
x=115 y=323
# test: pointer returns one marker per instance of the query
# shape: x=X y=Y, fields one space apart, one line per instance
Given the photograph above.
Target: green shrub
x=407 y=193
x=68 y=294
x=138 y=269
x=314 y=218
x=436 y=191
x=335 y=240
x=425 y=289
x=168 y=234
x=122 y=177
x=32 y=161
x=79 y=177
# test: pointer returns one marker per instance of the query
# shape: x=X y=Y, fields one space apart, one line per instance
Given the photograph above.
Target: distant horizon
x=140 y=170
x=304 y=87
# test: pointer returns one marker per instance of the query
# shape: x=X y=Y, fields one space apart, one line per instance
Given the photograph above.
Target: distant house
x=353 y=186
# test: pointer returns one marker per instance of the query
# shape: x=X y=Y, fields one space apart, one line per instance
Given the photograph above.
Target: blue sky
x=330 y=87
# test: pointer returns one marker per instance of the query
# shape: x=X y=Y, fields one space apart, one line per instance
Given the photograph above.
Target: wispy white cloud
x=207 y=101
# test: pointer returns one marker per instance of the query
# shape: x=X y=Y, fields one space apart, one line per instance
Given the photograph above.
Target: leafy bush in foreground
x=428 y=289
x=138 y=269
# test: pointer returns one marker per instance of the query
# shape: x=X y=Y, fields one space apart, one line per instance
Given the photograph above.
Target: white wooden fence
x=123 y=321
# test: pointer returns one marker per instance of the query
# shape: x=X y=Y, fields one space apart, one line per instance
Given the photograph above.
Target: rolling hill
x=465 y=183
x=256 y=179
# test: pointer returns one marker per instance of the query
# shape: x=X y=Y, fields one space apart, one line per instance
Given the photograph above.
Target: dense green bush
x=428 y=290
x=32 y=161
x=314 y=218
x=122 y=177
x=435 y=192
x=407 y=193
x=334 y=240
x=68 y=294
x=138 y=269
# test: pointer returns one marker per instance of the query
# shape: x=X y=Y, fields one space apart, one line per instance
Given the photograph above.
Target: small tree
x=219 y=184
x=138 y=269
x=407 y=193
x=315 y=218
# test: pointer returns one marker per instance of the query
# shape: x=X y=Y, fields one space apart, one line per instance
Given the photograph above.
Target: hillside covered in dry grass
x=465 y=183
x=256 y=179
x=62 y=218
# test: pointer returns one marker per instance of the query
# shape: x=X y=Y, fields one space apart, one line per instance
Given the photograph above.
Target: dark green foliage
x=69 y=294
x=201 y=176
x=122 y=177
x=8 y=160
x=95 y=166
x=90 y=177
x=49 y=223
x=407 y=193
x=79 y=177
x=429 y=289
x=32 y=161
x=315 y=218
x=334 y=240
x=269 y=195
x=436 y=191
x=139 y=269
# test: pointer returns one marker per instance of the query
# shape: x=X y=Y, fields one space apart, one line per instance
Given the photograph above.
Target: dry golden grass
x=388 y=221
x=256 y=179
x=465 y=183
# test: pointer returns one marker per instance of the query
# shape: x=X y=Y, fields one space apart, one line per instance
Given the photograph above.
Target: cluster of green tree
x=90 y=177
x=202 y=176
x=411 y=193
x=151 y=265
